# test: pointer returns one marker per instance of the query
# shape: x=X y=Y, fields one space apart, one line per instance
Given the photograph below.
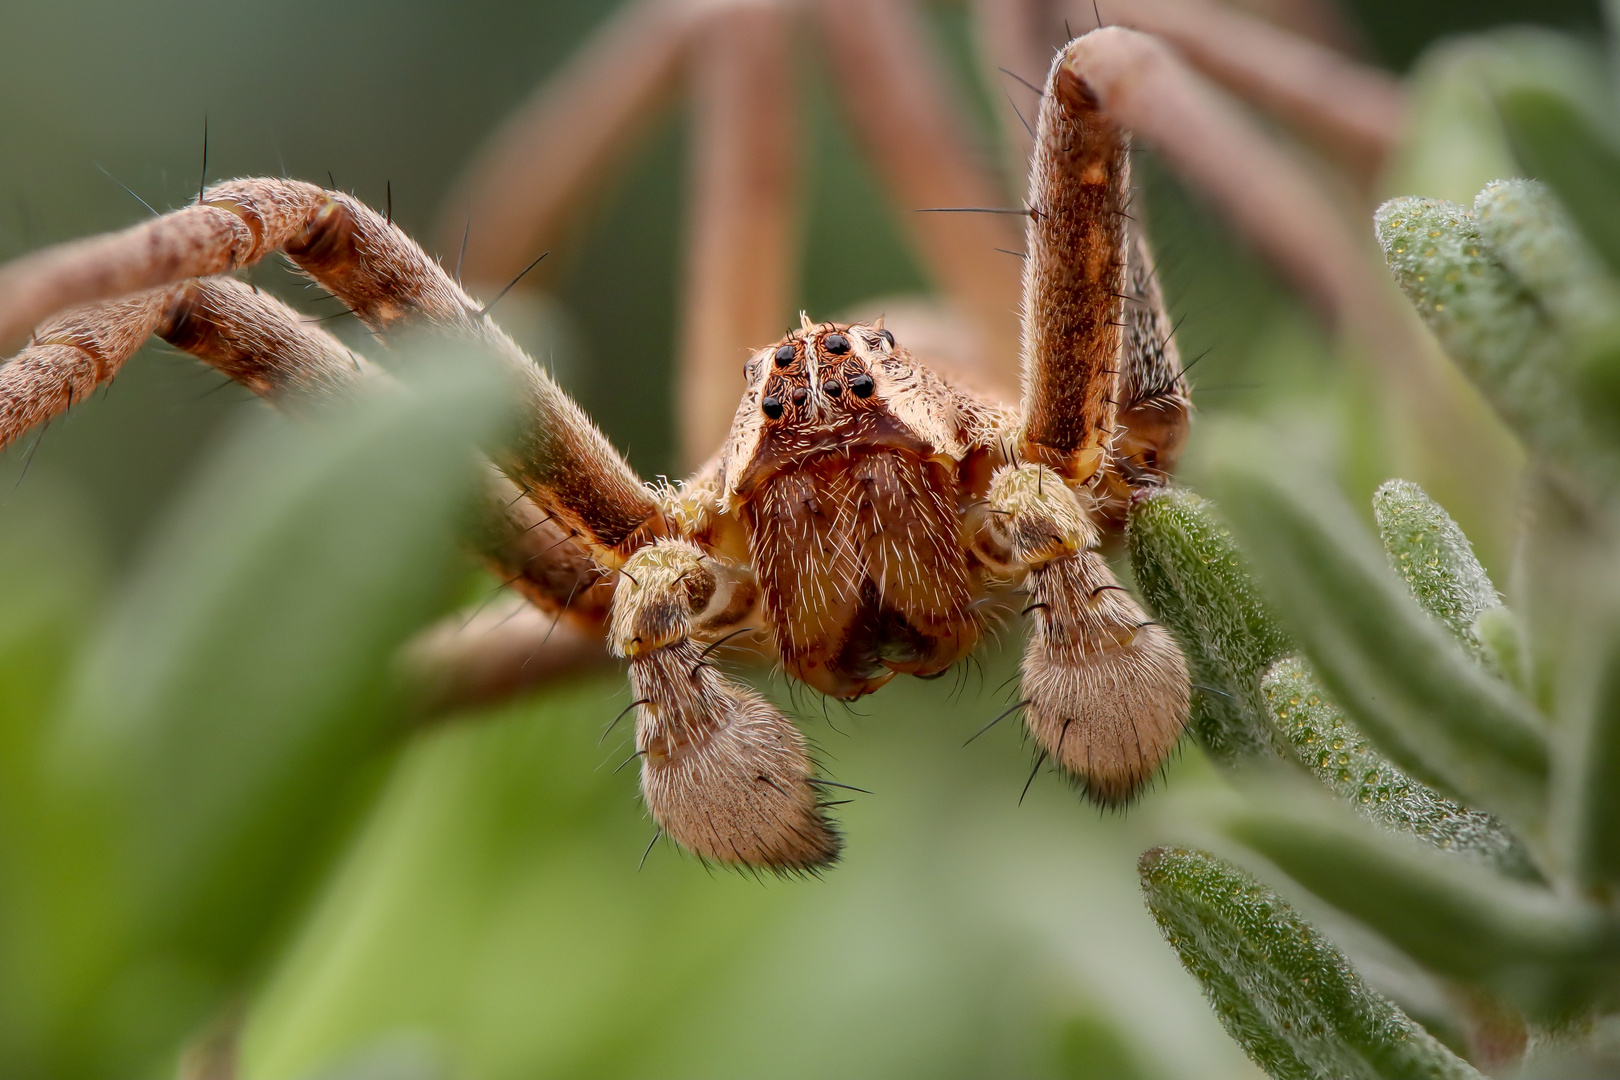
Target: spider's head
x=819 y=375
x=823 y=387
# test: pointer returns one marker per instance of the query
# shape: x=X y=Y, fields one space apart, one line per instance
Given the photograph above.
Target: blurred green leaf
x=49 y=576
x=1486 y=319
x=1400 y=677
x=1197 y=583
x=1555 y=140
x=1342 y=758
x=400 y=1057
x=245 y=676
x=1531 y=233
x=1282 y=990
x=1454 y=142
x=1551 y=957
x=1588 y=775
x=1434 y=558
x=494 y=899
x=1501 y=645
x=1090 y=1048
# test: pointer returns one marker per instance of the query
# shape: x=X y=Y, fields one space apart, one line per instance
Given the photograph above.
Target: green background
x=480 y=910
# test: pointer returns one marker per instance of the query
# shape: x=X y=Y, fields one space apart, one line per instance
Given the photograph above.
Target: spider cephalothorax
x=862 y=514
x=850 y=466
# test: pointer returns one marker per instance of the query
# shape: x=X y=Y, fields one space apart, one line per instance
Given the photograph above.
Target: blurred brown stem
x=1353 y=112
x=742 y=256
x=900 y=103
x=525 y=190
x=507 y=647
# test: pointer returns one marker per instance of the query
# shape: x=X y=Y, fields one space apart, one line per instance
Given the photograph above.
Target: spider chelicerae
x=864 y=513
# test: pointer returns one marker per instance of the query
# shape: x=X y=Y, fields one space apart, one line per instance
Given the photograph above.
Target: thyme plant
x=1437 y=761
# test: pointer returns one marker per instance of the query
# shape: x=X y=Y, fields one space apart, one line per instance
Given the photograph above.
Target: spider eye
x=832 y=388
x=837 y=344
x=772 y=407
x=784 y=355
x=799 y=395
x=862 y=385
x=887 y=337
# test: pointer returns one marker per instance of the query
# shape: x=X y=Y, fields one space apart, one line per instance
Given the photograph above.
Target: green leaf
x=1528 y=229
x=1091 y=1048
x=395 y=1057
x=1588 y=773
x=51 y=897
x=1434 y=558
x=1281 y=989
x=1552 y=958
x=1453 y=143
x=1194 y=579
x=1486 y=319
x=244 y=678
x=1502 y=648
x=1533 y=236
x=1558 y=144
x=1407 y=685
x=1341 y=757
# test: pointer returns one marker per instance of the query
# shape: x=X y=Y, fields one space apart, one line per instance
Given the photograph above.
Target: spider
x=865 y=514
x=862 y=511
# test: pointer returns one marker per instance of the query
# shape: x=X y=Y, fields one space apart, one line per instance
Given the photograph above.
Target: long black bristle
x=1039 y=761
x=202 y=184
x=999 y=718
x=485 y=309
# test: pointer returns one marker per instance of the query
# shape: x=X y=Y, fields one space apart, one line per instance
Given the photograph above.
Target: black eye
x=886 y=336
x=799 y=395
x=832 y=388
x=772 y=407
x=784 y=355
x=862 y=385
x=837 y=344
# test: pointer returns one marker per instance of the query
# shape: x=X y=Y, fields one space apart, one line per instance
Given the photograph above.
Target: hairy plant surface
x=1461 y=745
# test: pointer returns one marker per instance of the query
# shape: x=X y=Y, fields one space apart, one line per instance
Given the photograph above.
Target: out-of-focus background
x=472 y=903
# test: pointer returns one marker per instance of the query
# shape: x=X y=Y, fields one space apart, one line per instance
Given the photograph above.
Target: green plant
x=173 y=787
x=1438 y=765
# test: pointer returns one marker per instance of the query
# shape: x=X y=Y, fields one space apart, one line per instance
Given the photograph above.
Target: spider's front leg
x=723 y=771
x=1106 y=688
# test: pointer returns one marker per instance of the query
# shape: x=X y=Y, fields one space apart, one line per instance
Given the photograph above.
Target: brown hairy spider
x=867 y=513
x=864 y=512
